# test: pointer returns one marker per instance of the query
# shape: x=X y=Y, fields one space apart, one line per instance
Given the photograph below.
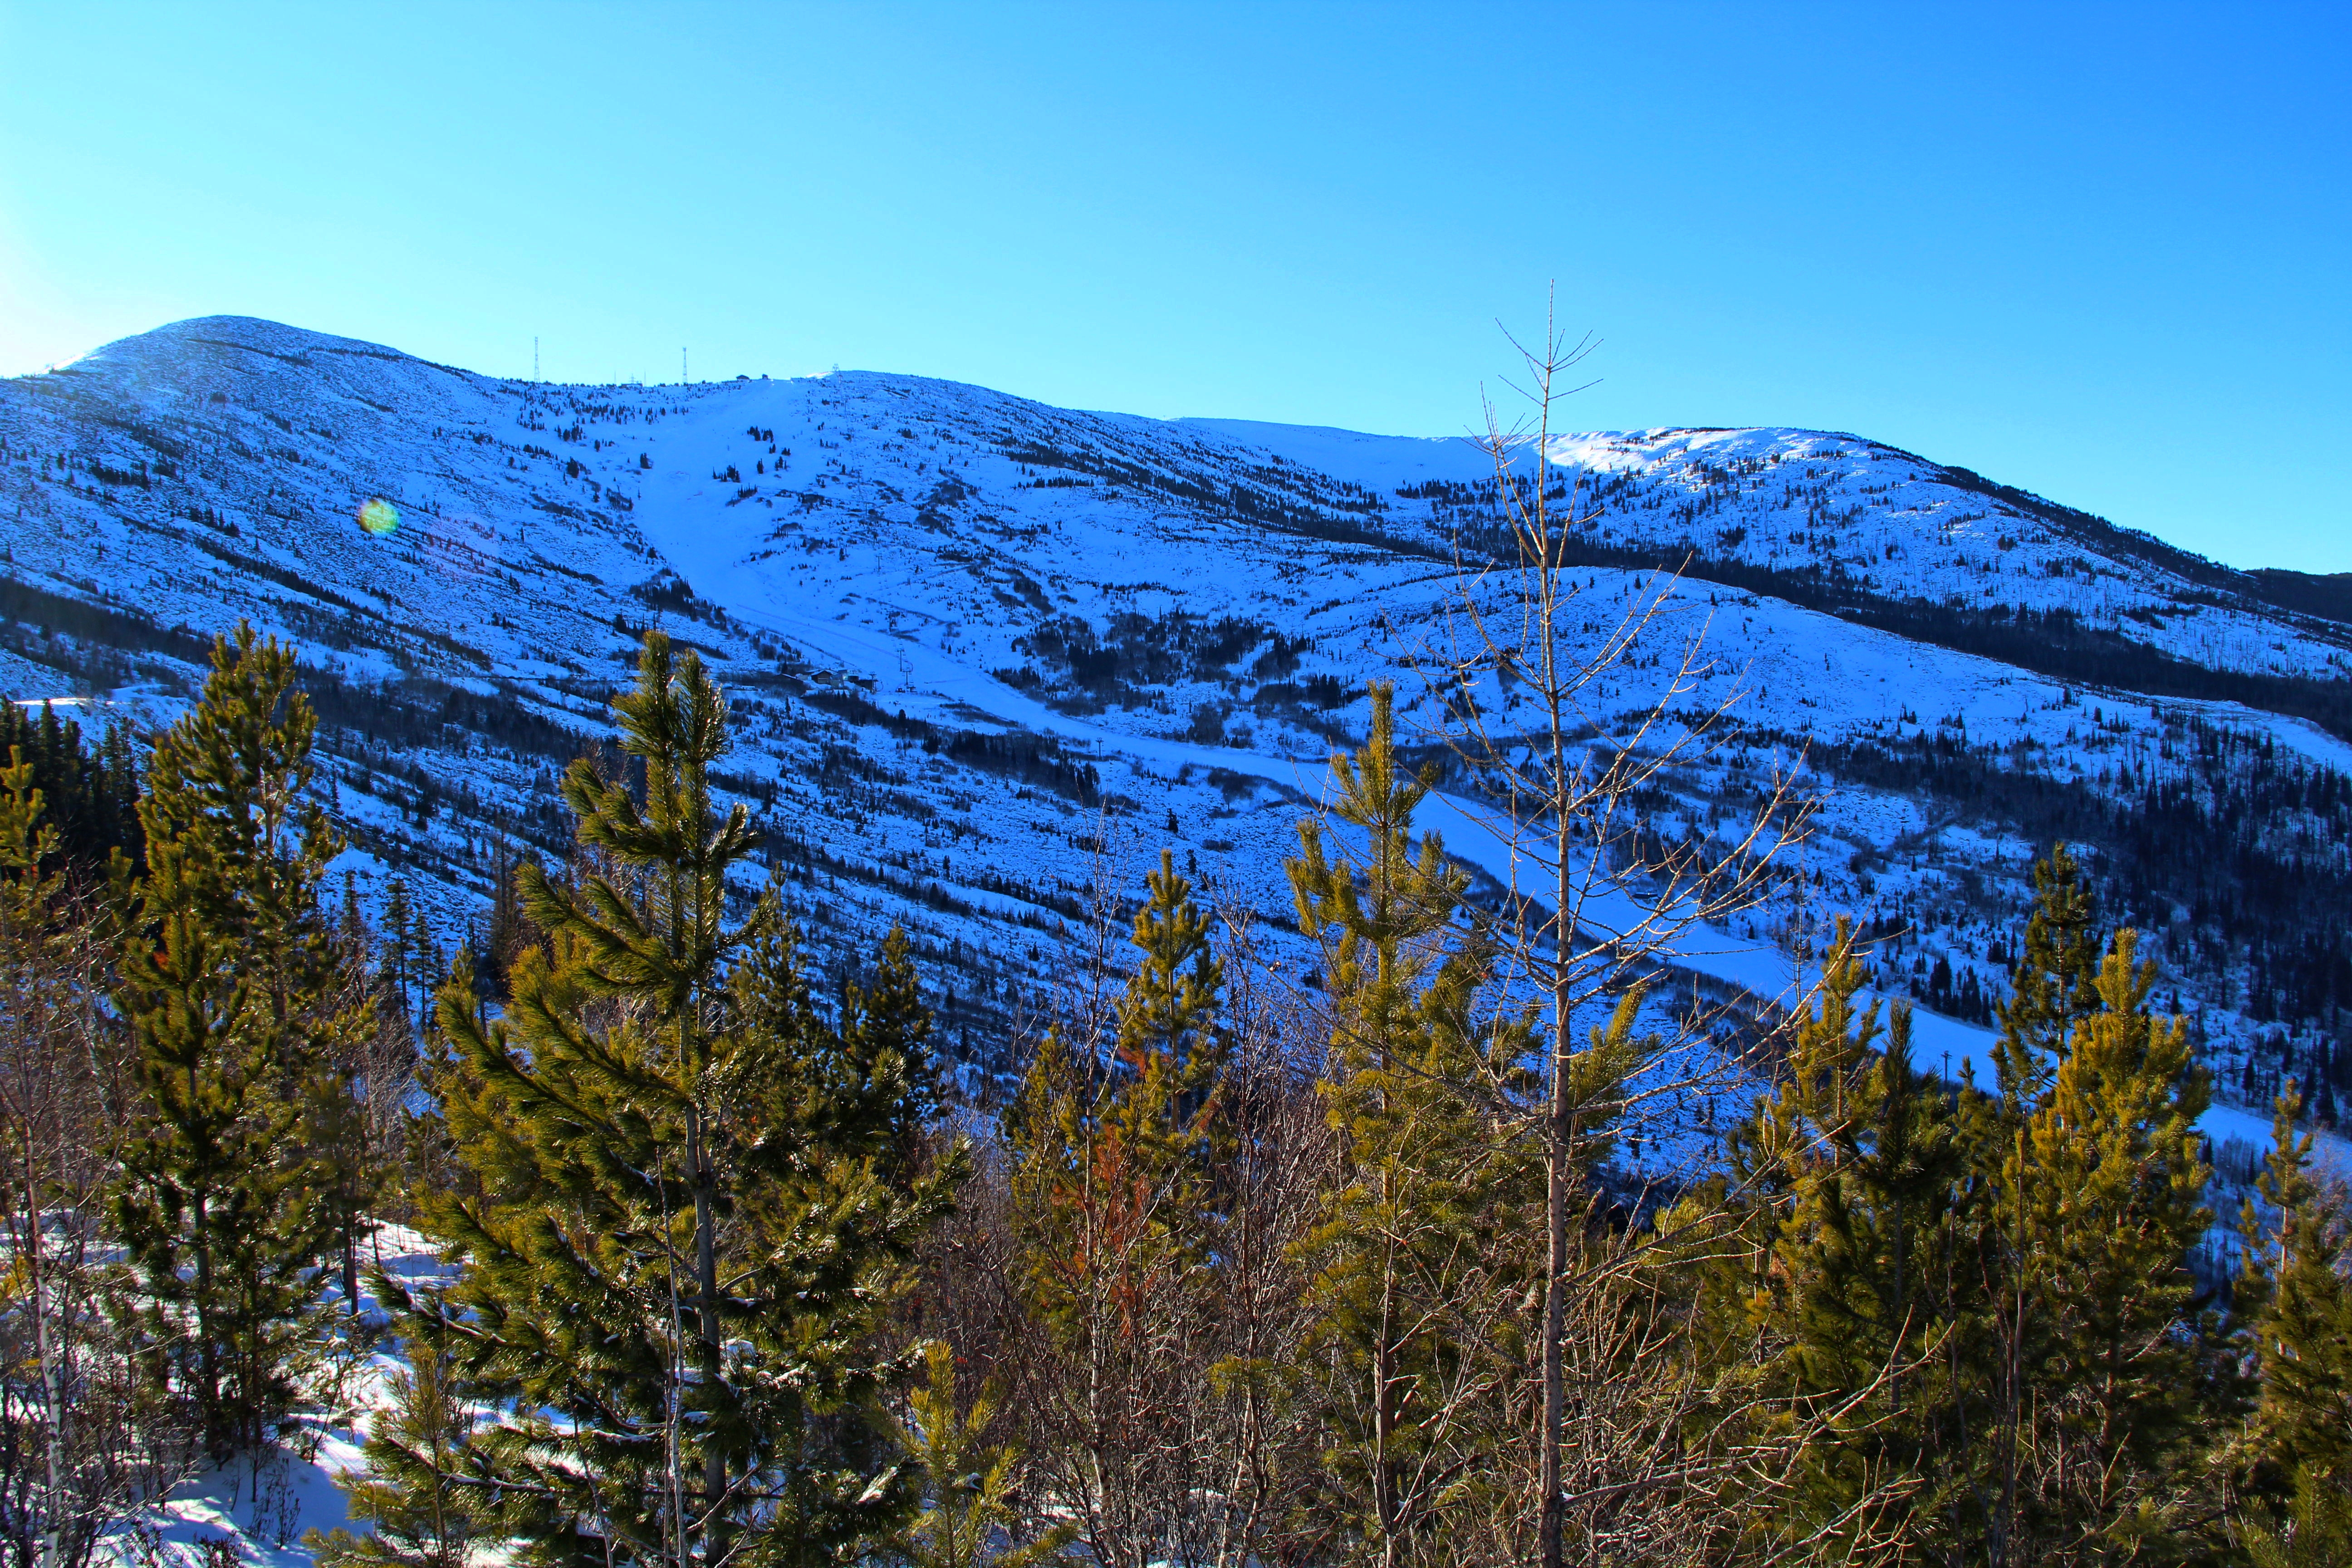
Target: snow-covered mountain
x=968 y=637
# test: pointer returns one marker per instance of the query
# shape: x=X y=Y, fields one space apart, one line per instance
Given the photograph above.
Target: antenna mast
x=534 y=356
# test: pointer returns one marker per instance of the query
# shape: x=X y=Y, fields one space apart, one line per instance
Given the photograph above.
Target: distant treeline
x=2054 y=643
x=2242 y=838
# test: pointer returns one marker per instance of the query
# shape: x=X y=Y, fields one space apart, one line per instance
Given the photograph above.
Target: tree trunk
x=1559 y=1141
x=706 y=1265
x=53 y=1406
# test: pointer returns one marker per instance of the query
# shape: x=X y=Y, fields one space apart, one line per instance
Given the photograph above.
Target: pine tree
x=2316 y=1531
x=421 y=1490
x=885 y=1072
x=2110 y=1195
x=90 y=794
x=1987 y=1298
x=1417 y=1237
x=1114 y=1226
x=2054 y=985
x=969 y=1516
x=2295 y=1296
x=1869 y=1288
x=397 y=969
x=1172 y=1046
x=681 y=1233
x=230 y=987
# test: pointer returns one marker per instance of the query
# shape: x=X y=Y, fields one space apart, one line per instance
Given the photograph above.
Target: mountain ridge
x=960 y=623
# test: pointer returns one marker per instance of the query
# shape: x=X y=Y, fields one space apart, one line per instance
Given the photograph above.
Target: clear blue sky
x=2101 y=252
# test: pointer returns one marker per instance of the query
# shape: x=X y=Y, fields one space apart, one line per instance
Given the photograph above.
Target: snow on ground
x=917 y=544
x=923 y=547
x=262 y=1507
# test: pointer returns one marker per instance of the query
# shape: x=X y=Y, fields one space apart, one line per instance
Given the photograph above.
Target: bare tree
x=1151 y=1316
x=1571 y=714
x=82 y=1450
x=1107 y=1349
x=1271 y=1161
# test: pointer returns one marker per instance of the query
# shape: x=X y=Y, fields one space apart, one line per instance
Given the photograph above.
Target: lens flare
x=377 y=516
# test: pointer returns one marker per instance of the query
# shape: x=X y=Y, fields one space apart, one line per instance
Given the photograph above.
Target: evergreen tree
x=421 y=1490
x=969 y=1516
x=90 y=795
x=1114 y=1226
x=1869 y=1286
x=1172 y=1048
x=1977 y=1311
x=2054 y=985
x=1418 y=1238
x=680 y=1232
x=2109 y=1188
x=2296 y=1298
x=884 y=1073
x=2316 y=1531
x=342 y=1131
x=230 y=987
x=397 y=965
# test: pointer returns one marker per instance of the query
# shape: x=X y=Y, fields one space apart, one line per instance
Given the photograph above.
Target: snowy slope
x=968 y=635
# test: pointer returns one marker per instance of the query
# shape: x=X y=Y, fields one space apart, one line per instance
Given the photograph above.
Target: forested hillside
x=970 y=637
x=617 y=1235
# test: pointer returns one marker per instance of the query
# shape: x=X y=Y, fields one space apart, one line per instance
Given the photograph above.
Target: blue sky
x=2100 y=252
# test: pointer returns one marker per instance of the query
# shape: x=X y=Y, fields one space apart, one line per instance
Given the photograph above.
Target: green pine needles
x=1116 y=1222
x=687 y=1203
x=970 y=1519
x=424 y=1490
x=1419 y=1252
x=228 y=982
x=2296 y=1303
x=1978 y=1326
